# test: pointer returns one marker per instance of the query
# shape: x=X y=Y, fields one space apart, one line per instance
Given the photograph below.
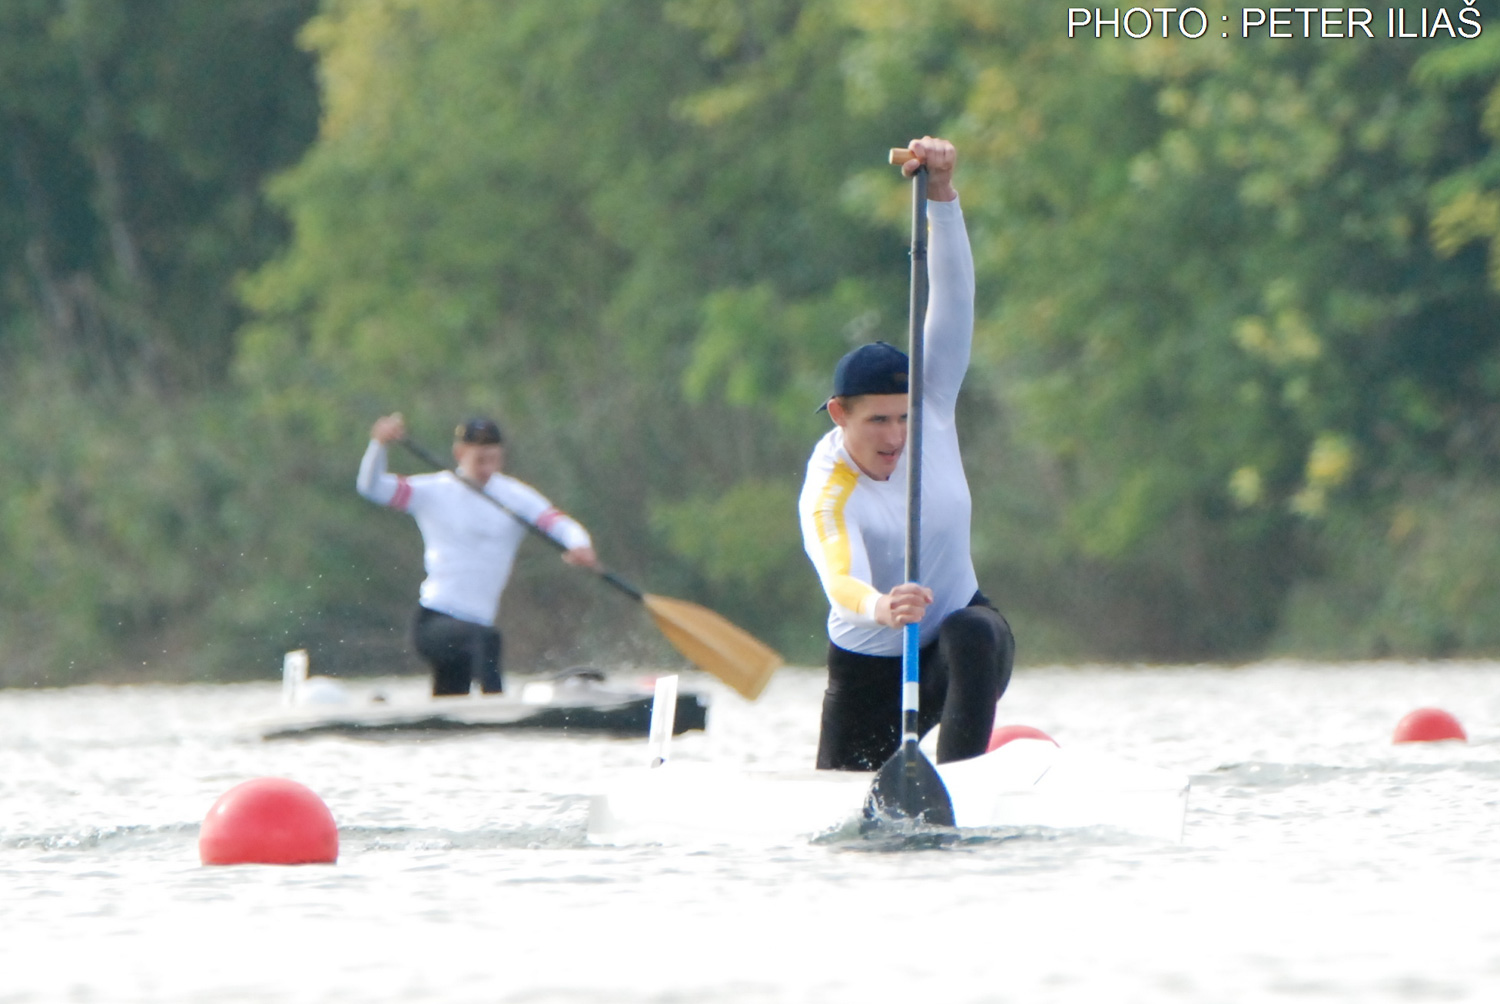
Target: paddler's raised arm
x=374 y=482
x=950 y=277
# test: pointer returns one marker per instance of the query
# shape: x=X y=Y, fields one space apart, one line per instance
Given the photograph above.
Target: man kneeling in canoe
x=469 y=546
x=853 y=515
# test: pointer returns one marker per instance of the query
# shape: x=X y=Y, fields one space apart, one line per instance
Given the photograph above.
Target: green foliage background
x=1236 y=387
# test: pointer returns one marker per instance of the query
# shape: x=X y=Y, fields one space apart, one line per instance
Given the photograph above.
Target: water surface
x=1320 y=862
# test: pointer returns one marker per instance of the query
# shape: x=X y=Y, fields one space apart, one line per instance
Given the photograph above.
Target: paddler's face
x=874 y=430
x=477 y=462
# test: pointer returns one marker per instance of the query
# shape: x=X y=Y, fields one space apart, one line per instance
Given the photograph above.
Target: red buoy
x=1005 y=733
x=1426 y=725
x=269 y=821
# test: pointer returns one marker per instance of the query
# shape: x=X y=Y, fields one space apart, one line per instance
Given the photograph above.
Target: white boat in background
x=579 y=700
x=1024 y=783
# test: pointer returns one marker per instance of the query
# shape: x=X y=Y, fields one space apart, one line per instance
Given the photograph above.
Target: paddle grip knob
x=900 y=155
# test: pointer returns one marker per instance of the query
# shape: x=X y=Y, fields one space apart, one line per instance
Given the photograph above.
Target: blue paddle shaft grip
x=911 y=656
x=911 y=663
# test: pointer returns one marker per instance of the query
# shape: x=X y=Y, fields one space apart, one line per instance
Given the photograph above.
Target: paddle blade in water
x=714 y=645
x=908 y=788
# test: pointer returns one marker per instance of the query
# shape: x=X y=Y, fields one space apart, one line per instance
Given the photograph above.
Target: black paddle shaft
x=916 y=323
x=917 y=336
x=431 y=460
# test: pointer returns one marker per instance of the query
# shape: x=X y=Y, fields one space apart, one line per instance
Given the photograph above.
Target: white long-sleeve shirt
x=854 y=527
x=469 y=545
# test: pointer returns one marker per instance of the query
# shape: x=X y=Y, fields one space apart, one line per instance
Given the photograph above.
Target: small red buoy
x=269 y=821
x=1005 y=733
x=1426 y=725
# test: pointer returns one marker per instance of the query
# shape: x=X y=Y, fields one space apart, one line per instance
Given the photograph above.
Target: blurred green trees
x=1236 y=387
x=135 y=140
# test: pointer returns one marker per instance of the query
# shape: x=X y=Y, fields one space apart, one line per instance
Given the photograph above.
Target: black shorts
x=963 y=673
x=459 y=652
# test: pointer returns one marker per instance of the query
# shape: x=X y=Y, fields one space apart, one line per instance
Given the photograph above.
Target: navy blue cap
x=480 y=431
x=876 y=368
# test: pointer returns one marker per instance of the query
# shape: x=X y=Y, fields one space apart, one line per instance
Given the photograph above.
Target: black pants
x=963 y=674
x=458 y=652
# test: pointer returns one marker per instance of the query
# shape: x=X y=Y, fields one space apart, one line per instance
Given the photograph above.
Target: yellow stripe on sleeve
x=833 y=537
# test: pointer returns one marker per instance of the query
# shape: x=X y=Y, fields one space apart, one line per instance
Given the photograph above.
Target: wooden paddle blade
x=714 y=645
x=908 y=787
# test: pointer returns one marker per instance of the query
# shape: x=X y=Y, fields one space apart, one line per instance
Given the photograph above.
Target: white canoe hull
x=1025 y=783
x=579 y=700
x=1031 y=782
x=573 y=706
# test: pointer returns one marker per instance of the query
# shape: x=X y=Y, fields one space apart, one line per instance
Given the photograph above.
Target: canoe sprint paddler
x=468 y=546
x=853 y=516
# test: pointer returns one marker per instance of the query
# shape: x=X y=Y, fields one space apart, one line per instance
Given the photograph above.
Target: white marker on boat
x=293 y=675
x=663 y=716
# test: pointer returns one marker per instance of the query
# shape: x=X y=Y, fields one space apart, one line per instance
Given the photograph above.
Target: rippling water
x=1320 y=861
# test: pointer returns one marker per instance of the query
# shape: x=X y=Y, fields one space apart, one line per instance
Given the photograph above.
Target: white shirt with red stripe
x=469 y=545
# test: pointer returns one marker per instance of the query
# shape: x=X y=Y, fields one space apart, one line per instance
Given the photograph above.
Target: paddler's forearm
x=858 y=600
x=372 y=480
